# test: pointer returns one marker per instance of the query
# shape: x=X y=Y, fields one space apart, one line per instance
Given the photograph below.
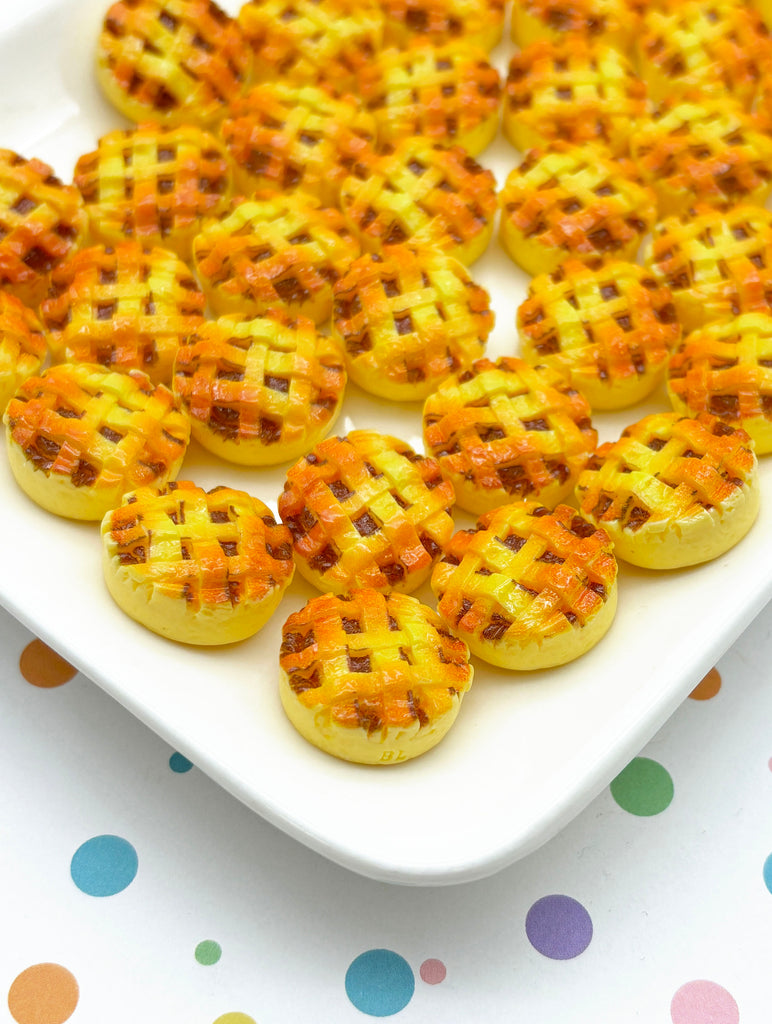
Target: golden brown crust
x=126 y=307
x=408 y=318
x=366 y=510
x=598 y=20
x=439 y=22
x=260 y=389
x=41 y=222
x=173 y=61
x=507 y=430
x=22 y=345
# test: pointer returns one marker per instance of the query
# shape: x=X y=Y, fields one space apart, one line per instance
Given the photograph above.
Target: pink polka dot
x=432 y=972
x=703 y=1002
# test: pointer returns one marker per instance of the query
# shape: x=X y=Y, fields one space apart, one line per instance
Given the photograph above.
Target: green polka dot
x=644 y=787
x=208 y=952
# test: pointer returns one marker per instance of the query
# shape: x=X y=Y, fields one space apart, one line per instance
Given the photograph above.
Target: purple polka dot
x=703 y=1002
x=558 y=927
x=433 y=971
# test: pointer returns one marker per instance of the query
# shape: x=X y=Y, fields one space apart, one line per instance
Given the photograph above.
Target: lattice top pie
x=703 y=150
x=726 y=369
x=80 y=437
x=22 y=345
x=260 y=389
x=575 y=90
x=422 y=192
x=408 y=318
x=366 y=510
x=311 y=42
x=609 y=326
x=528 y=588
x=716 y=263
x=154 y=184
x=448 y=94
x=370 y=677
x=286 y=137
x=672 y=491
x=175 y=61
x=41 y=222
x=507 y=430
x=722 y=47
x=609 y=21
x=204 y=567
x=125 y=308
x=273 y=250
x=478 y=22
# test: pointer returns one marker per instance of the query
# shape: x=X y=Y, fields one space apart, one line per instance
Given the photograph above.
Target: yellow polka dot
x=43 y=667
x=43 y=994
x=235 y=1018
x=708 y=687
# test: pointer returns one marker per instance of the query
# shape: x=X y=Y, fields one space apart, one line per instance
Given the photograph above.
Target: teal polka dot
x=104 y=865
x=208 y=952
x=380 y=982
x=644 y=787
x=768 y=872
x=179 y=763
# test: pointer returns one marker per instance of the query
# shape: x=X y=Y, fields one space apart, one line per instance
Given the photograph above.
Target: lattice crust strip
x=208 y=548
x=366 y=510
x=126 y=307
x=22 y=345
x=607 y=21
x=440 y=22
x=174 y=61
x=373 y=661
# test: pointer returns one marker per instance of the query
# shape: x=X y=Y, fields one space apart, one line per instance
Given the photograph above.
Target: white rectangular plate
x=528 y=751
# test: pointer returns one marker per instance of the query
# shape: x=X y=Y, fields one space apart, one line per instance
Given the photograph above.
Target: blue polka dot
x=179 y=763
x=768 y=872
x=380 y=982
x=104 y=865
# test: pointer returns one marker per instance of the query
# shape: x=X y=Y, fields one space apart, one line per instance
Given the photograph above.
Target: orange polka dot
x=43 y=994
x=708 y=687
x=43 y=667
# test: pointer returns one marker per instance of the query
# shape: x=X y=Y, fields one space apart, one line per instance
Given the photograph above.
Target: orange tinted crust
x=438 y=22
x=174 y=61
x=599 y=20
x=22 y=345
x=126 y=307
x=366 y=510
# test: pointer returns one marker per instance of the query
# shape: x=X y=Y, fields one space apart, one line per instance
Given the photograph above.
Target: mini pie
x=408 y=318
x=22 y=345
x=260 y=390
x=286 y=137
x=726 y=369
x=609 y=326
x=705 y=149
x=722 y=48
x=41 y=222
x=423 y=192
x=200 y=567
x=507 y=430
x=311 y=42
x=439 y=22
x=716 y=263
x=79 y=437
x=175 y=61
x=608 y=21
x=448 y=95
x=573 y=201
x=274 y=251
x=528 y=588
x=124 y=307
x=154 y=184
x=672 y=491
x=372 y=678
x=365 y=510
x=572 y=90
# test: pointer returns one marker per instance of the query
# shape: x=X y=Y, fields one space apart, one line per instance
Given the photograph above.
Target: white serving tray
x=528 y=751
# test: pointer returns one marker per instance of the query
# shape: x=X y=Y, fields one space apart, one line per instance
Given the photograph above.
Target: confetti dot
x=644 y=787
x=104 y=865
x=558 y=927
x=708 y=687
x=179 y=763
x=433 y=972
x=768 y=872
x=235 y=1018
x=380 y=982
x=703 y=1002
x=43 y=994
x=43 y=667
x=208 y=952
